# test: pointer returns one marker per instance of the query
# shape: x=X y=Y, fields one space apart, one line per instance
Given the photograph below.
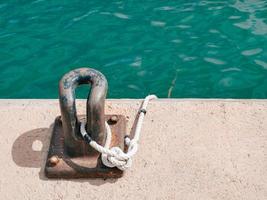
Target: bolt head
x=114 y=119
x=54 y=160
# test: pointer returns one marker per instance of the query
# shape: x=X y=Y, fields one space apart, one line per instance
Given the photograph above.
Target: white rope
x=115 y=157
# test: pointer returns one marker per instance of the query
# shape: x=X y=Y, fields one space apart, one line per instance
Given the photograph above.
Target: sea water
x=177 y=49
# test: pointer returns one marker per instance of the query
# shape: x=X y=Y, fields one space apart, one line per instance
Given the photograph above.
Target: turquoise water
x=202 y=49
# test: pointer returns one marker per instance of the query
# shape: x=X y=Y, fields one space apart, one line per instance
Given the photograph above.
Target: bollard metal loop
x=95 y=122
x=69 y=155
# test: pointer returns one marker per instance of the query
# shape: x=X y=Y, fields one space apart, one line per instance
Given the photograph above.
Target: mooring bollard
x=95 y=105
x=69 y=155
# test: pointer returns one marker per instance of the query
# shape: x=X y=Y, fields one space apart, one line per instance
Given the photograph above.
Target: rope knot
x=117 y=159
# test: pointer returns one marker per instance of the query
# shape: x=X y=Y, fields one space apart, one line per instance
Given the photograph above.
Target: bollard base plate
x=60 y=165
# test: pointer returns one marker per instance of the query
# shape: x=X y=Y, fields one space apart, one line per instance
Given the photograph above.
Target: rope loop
x=115 y=157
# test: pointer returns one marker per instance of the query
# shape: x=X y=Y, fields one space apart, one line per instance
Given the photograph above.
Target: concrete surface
x=189 y=149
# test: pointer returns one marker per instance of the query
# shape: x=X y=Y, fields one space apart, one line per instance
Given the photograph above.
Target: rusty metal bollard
x=95 y=107
x=69 y=155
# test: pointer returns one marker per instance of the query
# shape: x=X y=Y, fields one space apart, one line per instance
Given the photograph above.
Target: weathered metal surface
x=60 y=164
x=69 y=155
x=95 y=123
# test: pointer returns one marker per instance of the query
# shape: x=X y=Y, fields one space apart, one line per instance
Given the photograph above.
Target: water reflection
x=254 y=23
x=121 y=16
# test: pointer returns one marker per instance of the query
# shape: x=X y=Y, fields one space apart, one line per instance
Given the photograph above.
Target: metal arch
x=95 y=107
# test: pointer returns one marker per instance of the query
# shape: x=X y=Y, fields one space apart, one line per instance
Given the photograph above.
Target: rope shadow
x=132 y=131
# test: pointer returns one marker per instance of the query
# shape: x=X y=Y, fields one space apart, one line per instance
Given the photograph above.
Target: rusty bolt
x=54 y=160
x=114 y=119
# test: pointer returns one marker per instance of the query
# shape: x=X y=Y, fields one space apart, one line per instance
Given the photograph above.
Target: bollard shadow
x=30 y=151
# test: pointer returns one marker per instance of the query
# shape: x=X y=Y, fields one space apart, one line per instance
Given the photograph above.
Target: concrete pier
x=189 y=149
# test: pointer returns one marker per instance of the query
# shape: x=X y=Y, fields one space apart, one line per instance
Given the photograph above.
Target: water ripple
x=254 y=23
x=261 y=63
x=165 y=8
x=84 y=16
x=251 y=52
x=121 y=16
x=171 y=48
x=215 y=61
x=158 y=23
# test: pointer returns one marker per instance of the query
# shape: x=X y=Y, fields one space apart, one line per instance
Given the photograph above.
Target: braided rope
x=115 y=157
